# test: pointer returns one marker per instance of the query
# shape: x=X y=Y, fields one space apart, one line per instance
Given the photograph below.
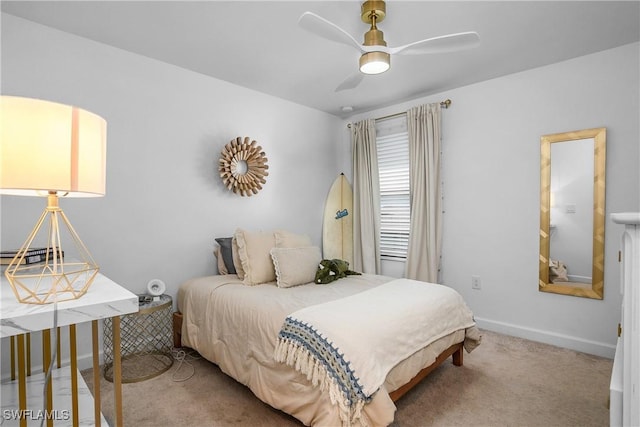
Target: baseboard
x=560 y=340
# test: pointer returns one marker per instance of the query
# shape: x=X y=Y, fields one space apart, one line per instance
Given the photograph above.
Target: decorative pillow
x=222 y=269
x=253 y=250
x=236 y=258
x=286 y=239
x=295 y=266
x=227 y=253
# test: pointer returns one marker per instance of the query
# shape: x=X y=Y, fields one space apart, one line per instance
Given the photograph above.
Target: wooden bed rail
x=455 y=350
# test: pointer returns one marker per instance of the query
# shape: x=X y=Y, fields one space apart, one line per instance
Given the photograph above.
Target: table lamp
x=51 y=150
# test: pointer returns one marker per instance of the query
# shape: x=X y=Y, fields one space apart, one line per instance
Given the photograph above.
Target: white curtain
x=366 y=198
x=425 y=238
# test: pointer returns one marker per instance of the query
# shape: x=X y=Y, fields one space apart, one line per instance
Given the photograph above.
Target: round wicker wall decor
x=243 y=166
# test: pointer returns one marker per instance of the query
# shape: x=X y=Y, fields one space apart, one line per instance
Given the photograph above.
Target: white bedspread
x=342 y=348
x=236 y=326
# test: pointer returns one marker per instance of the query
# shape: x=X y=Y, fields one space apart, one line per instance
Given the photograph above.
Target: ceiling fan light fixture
x=375 y=54
x=375 y=62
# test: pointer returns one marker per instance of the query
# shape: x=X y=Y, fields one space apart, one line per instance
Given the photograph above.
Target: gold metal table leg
x=46 y=349
x=46 y=361
x=74 y=375
x=28 y=354
x=12 y=345
x=22 y=382
x=58 y=348
x=117 y=371
x=96 y=374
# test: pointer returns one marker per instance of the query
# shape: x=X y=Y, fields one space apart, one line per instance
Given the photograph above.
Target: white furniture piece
x=625 y=377
x=22 y=399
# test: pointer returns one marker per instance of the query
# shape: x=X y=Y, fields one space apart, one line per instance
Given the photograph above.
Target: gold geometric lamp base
x=43 y=272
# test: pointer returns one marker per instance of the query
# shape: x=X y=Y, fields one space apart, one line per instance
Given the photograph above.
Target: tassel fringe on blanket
x=320 y=372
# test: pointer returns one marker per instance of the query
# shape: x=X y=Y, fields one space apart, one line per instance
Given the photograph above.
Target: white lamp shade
x=46 y=146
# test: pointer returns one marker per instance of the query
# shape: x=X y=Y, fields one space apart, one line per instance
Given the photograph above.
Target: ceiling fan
x=375 y=55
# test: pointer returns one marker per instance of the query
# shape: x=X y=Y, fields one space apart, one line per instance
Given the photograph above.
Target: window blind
x=392 y=140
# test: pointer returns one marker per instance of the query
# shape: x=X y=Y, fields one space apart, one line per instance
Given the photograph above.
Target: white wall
x=491 y=171
x=165 y=202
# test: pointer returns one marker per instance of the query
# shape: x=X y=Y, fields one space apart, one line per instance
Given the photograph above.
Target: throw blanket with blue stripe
x=348 y=346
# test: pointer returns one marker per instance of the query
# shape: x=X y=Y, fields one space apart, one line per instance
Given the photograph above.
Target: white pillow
x=222 y=268
x=295 y=266
x=237 y=264
x=287 y=239
x=253 y=251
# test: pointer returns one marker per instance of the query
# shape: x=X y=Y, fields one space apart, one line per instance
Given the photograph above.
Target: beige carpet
x=506 y=381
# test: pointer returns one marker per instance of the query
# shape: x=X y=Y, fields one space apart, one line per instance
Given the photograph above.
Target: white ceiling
x=259 y=45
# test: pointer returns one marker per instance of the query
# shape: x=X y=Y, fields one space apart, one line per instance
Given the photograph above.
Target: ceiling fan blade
x=350 y=82
x=326 y=29
x=448 y=43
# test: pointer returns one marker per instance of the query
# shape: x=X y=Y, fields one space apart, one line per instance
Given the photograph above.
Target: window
x=392 y=140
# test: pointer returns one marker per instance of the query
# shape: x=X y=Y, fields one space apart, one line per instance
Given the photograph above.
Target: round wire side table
x=146 y=341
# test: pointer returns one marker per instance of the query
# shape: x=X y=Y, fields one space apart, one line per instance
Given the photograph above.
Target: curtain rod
x=444 y=104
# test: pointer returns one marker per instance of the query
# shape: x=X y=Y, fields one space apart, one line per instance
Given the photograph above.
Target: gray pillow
x=227 y=253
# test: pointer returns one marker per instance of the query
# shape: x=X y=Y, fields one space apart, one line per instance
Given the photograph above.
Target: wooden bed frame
x=177 y=329
x=455 y=350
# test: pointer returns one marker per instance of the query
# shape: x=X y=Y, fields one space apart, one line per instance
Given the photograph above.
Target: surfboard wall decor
x=337 y=228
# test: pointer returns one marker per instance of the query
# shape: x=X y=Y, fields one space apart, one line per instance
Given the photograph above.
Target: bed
x=239 y=327
x=330 y=349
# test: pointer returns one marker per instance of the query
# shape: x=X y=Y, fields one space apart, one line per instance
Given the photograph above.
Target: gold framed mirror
x=572 y=213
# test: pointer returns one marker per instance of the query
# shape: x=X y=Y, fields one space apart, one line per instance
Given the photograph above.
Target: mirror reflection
x=572 y=213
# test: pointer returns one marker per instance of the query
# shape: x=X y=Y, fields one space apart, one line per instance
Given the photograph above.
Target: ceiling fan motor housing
x=374 y=37
x=371 y=8
x=374 y=11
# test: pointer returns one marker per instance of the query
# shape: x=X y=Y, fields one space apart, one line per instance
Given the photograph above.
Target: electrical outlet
x=475 y=282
